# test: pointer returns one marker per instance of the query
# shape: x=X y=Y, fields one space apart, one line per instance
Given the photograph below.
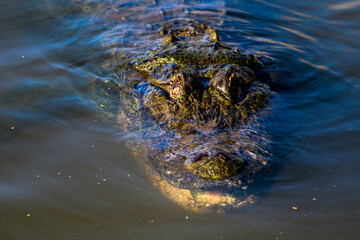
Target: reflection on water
x=345 y=5
x=65 y=170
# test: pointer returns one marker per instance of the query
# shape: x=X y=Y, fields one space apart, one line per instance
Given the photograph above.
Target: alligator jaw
x=202 y=202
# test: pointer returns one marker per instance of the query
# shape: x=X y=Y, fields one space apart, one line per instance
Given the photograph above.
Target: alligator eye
x=179 y=86
x=224 y=82
x=232 y=81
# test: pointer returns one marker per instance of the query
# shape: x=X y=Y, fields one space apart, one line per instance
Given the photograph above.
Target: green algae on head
x=200 y=81
x=219 y=167
x=199 y=98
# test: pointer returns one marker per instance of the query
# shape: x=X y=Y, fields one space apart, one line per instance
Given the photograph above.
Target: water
x=65 y=172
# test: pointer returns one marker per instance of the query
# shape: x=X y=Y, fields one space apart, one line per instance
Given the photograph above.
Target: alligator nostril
x=217 y=166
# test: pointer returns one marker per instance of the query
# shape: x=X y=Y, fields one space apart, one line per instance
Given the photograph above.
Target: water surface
x=65 y=171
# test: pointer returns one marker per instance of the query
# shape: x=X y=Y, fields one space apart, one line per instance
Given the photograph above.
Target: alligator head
x=202 y=97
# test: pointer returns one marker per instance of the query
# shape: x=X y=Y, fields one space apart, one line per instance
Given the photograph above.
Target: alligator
x=195 y=104
x=190 y=105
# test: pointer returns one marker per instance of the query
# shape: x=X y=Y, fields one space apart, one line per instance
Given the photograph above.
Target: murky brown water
x=65 y=172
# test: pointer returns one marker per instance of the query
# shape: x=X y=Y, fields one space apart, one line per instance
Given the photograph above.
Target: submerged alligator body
x=194 y=103
x=191 y=105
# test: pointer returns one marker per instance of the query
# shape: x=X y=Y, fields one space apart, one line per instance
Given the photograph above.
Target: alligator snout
x=215 y=166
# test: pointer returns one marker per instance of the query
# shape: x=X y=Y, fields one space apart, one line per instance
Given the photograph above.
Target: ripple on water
x=49 y=125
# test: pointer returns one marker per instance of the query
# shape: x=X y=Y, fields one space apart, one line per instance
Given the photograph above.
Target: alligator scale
x=195 y=103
